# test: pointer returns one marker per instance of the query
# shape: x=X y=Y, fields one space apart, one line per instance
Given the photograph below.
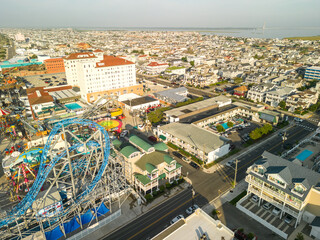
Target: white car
x=267 y=206
x=276 y=211
x=124 y=133
x=192 y=209
x=230 y=163
x=176 y=219
x=141 y=126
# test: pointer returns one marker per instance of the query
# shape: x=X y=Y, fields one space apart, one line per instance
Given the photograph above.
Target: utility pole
x=235 y=174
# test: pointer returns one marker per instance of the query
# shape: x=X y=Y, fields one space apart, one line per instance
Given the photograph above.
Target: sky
x=159 y=13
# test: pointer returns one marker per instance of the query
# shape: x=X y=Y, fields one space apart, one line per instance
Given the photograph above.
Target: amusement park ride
x=74 y=180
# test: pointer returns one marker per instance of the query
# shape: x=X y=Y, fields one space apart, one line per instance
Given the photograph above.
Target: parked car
x=176 y=219
x=255 y=198
x=153 y=139
x=141 y=126
x=298 y=119
x=267 y=206
x=124 y=133
x=177 y=154
x=288 y=219
x=230 y=163
x=192 y=209
x=276 y=211
x=194 y=165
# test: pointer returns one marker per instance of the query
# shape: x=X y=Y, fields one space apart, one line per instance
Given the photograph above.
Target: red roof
x=98 y=50
x=37 y=96
x=155 y=64
x=112 y=61
x=82 y=55
x=53 y=59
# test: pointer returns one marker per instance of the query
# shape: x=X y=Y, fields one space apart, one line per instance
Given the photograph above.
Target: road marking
x=274 y=218
x=228 y=175
x=142 y=230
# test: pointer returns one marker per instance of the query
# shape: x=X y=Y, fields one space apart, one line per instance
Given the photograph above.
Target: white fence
x=260 y=220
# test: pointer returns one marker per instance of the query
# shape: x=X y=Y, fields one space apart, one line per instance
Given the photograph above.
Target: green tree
x=230 y=124
x=250 y=236
x=34 y=56
x=192 y=63
x=184 y=59
x=238 y=80
x=255 y=134
x=282 y=105
x=299 y=236
x=220 y=128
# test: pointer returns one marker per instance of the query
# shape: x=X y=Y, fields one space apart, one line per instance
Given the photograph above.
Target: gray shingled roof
x=290 y=172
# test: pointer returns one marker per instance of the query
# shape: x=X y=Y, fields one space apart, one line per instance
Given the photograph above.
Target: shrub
x=214 y=212
x=250 y=236
x=162 y=188
x=220 y=128
x=168 y=185
x=148 y=197
x=170 y=144
x=230 y=124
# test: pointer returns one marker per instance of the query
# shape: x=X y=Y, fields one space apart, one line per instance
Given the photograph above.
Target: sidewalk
x=244 y=151
x=225 y=197
x=131 y=211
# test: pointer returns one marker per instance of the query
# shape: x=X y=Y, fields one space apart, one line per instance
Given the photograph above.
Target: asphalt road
x=157 y=219
x=207 y=187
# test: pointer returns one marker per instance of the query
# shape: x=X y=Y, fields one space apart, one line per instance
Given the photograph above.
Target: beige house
x=293 y=189
x=302 y=99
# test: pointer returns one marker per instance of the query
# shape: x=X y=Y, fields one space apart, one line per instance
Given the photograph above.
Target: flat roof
x=140 y=101
x=197 y=106
x=193 y=227
x=63 y=94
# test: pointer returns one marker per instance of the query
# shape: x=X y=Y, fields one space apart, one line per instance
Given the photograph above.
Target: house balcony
x=274 y=202
x=268 y=190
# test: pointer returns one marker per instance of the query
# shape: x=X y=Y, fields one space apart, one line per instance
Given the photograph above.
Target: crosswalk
x=308 y=128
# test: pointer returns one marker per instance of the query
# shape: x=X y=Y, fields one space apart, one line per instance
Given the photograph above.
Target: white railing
x=84 y=233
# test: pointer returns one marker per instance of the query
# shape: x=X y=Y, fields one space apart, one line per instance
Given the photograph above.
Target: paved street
x=154 y=221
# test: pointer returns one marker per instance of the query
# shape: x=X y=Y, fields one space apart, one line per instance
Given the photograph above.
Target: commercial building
x=312 y=73
x=140 y=103
x=97 y=75
x=200 y=142
x=177 y=114
x=54 y=65
x=173 y=96
x=199 y=225
x=293 y=189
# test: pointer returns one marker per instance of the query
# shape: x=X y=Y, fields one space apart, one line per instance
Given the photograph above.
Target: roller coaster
x=70 y=183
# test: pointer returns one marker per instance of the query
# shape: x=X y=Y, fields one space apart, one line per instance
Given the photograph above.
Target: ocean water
x=234 y=32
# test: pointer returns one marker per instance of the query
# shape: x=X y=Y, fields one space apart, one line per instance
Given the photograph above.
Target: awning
x=161 y=176
x=162 y=137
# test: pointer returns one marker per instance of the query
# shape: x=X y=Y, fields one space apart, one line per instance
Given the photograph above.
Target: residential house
x=153 y=170
x=240 y=91
x=302 y=99
x=293 y=189
x=274 y=97
x=257 y=93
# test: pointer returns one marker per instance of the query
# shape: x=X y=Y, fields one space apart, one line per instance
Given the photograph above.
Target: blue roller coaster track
x=45 y=168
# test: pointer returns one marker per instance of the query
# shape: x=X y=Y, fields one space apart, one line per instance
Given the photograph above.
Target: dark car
x=177 y=154
x=194 y=165
x=153 y=139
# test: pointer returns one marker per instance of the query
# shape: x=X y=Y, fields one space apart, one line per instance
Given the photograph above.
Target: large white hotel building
x=97 y=74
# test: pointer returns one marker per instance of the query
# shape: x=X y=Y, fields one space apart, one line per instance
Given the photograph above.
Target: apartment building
x=293 y=189
x=302 y=99
x=274 y=97
x=54 y=65
x=153 y=170
x=258 y=93
x=312 y=73
x=200 y=142
x=97 y=75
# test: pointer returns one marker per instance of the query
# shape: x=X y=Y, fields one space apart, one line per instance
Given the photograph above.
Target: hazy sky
x=159 y=13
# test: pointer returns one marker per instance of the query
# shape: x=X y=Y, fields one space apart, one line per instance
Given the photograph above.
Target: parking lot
x=271 y=216
x=47 y=80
